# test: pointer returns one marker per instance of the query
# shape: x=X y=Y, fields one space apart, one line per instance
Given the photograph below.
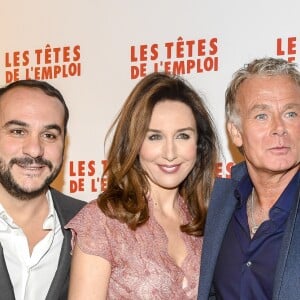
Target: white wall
x=95 y=51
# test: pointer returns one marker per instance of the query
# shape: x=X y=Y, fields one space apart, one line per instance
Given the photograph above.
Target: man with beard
x=35 y=247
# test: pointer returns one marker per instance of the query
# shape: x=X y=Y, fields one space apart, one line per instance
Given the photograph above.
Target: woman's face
x=169 y=150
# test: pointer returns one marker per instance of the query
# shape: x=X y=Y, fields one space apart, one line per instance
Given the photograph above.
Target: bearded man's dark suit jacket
x=221 y=208
x=66 y=207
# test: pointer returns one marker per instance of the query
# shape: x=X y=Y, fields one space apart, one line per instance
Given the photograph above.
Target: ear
x=235 y=134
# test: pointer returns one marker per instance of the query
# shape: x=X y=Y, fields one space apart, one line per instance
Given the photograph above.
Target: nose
x=169 y=152
x=33 y=146
x=279 y=127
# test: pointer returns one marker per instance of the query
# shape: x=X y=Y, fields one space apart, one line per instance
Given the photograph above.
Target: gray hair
x=267 y=66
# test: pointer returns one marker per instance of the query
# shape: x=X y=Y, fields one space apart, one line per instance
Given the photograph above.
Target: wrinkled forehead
x=267 y=90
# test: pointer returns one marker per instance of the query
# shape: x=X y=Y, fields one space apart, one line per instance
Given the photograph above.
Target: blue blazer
x=221 y=207
x=66 y=207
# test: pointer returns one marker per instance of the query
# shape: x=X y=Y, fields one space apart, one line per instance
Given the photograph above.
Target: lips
x=31 y=170
x=31 y=167
x=29 y=163
x=169 y=168
x=279 y=150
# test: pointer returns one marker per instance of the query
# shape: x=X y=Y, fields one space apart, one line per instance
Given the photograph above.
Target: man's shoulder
x=238 y=171
x=59 y=195
x=66 y=205
x=223 y=187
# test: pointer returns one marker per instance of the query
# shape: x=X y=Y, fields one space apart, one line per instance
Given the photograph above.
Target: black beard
x=17 y=191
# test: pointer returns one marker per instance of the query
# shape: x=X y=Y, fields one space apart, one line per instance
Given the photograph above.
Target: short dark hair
x=47 y=88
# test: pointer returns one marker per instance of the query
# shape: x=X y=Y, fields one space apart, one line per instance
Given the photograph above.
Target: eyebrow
x=265 y=106
x=259 y=106
x=291 y=105
x=23 y=124
x=181 y=129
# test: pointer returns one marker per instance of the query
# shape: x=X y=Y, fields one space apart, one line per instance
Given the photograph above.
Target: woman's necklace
x=254 y=227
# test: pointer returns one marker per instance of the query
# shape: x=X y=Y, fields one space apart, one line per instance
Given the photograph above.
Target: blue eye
x=291 y=114
x=261 y=117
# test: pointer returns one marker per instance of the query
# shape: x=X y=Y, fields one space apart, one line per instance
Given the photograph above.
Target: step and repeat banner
x=95 y=51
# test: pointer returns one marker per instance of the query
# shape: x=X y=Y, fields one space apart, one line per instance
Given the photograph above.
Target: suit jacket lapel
x=220 y=211
x=287 y=277
x=6 y=288
x=61 y=277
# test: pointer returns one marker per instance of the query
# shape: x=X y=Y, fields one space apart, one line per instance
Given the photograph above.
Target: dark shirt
x=245 y=267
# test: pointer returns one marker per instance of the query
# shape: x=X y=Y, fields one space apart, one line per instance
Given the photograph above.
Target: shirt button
x=249 y=263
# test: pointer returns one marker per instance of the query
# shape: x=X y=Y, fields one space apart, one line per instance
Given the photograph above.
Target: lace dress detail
x=141 y=267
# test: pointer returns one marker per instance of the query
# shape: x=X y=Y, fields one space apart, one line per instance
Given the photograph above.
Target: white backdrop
x=95 y=51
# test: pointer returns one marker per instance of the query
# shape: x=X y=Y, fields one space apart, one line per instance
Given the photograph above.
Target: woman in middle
x=142 y=237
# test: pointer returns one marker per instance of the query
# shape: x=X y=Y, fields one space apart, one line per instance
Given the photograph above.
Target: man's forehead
x=266 y=91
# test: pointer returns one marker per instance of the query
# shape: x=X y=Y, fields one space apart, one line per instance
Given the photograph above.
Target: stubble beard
x=14 y=189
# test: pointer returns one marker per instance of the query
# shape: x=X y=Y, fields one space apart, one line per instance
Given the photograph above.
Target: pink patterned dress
x=141 y=267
